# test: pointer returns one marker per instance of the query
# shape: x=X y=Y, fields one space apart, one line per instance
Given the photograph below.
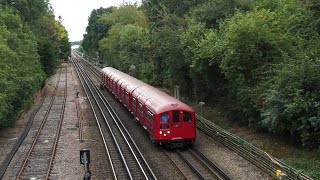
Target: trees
x=21 y=71
x=31 y=42
x=127 y=38
x=95 y=31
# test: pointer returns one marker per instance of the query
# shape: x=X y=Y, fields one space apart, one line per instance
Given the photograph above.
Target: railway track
x=92 y=69
x=125 y=158
x=35 y=149
x=193 y=164
x=39 y=159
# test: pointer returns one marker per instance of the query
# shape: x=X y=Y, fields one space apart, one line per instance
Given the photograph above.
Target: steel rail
x=39 y=131
x=13 y=151
x=116 y=118
x=218 y=172
x=194 y=168
x=97 y=121
x=177 y=165
x=109 y=127
x=90 y=67
x=120 y=125
x=56 y=141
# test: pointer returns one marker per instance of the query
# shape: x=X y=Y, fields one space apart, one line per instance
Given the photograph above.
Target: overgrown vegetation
x=258 y=60
x=31 y=42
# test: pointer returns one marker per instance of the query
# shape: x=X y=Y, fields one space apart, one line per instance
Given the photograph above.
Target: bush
x=292 y=102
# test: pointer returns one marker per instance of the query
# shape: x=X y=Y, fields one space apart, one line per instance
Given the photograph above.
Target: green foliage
x=201 y=56
x=178 y=7
x=119 y=18
x=292 y=101
x=263 y=53
x=21 y=73
x=30 y=43
x=49 y=33
x=95 y=31
x=167 y=52
x=212 y=11
x=134 y=44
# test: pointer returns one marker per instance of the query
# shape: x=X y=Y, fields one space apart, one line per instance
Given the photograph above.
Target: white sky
x=75 y=13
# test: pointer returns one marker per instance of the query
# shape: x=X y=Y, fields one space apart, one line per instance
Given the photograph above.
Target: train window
x=175 y=116
x=133 y=103
x=164 y=127
x=149 y=115
x=187 y=117
x=140 y=107
x=127 y=97
x=122 y=93
x=164 y=118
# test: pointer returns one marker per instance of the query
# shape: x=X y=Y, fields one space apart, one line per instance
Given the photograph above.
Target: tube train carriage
x=168 y=121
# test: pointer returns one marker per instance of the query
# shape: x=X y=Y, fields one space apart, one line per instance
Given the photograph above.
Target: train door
x=112 y=86
x=139 y=111
x=122 y=95
x=176 y=124
x=126 y=99
x=134 y=105
x=149 y=120
x=189 y=126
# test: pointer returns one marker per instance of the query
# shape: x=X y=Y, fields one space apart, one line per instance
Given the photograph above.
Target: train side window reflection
x=134 y=103
x=149 y=115
x=140 y=107
x=187 y=117
x=164 y=118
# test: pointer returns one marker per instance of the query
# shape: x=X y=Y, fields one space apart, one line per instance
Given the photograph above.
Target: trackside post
x=85 y=160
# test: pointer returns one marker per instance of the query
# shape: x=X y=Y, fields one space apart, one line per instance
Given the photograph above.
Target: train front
x=175 y=127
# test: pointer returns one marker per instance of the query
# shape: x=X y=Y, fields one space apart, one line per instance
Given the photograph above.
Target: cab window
x=164 y=118
x=175 y=116
x=187 y=117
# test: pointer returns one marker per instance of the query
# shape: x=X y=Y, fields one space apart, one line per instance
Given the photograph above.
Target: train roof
x=154 y=98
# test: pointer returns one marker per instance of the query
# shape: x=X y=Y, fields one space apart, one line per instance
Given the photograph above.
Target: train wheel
x=155 y=142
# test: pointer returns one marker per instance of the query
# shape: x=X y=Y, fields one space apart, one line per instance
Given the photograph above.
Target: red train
x=168 y=121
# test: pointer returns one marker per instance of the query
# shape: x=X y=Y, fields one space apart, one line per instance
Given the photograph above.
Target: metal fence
x=253 y=154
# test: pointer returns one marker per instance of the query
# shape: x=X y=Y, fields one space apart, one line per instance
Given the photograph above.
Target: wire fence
x=266 y=162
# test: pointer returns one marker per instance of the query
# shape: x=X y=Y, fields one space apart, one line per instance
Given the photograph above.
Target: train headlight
x=168 y=132
x=164 y=134
x=160 y=132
